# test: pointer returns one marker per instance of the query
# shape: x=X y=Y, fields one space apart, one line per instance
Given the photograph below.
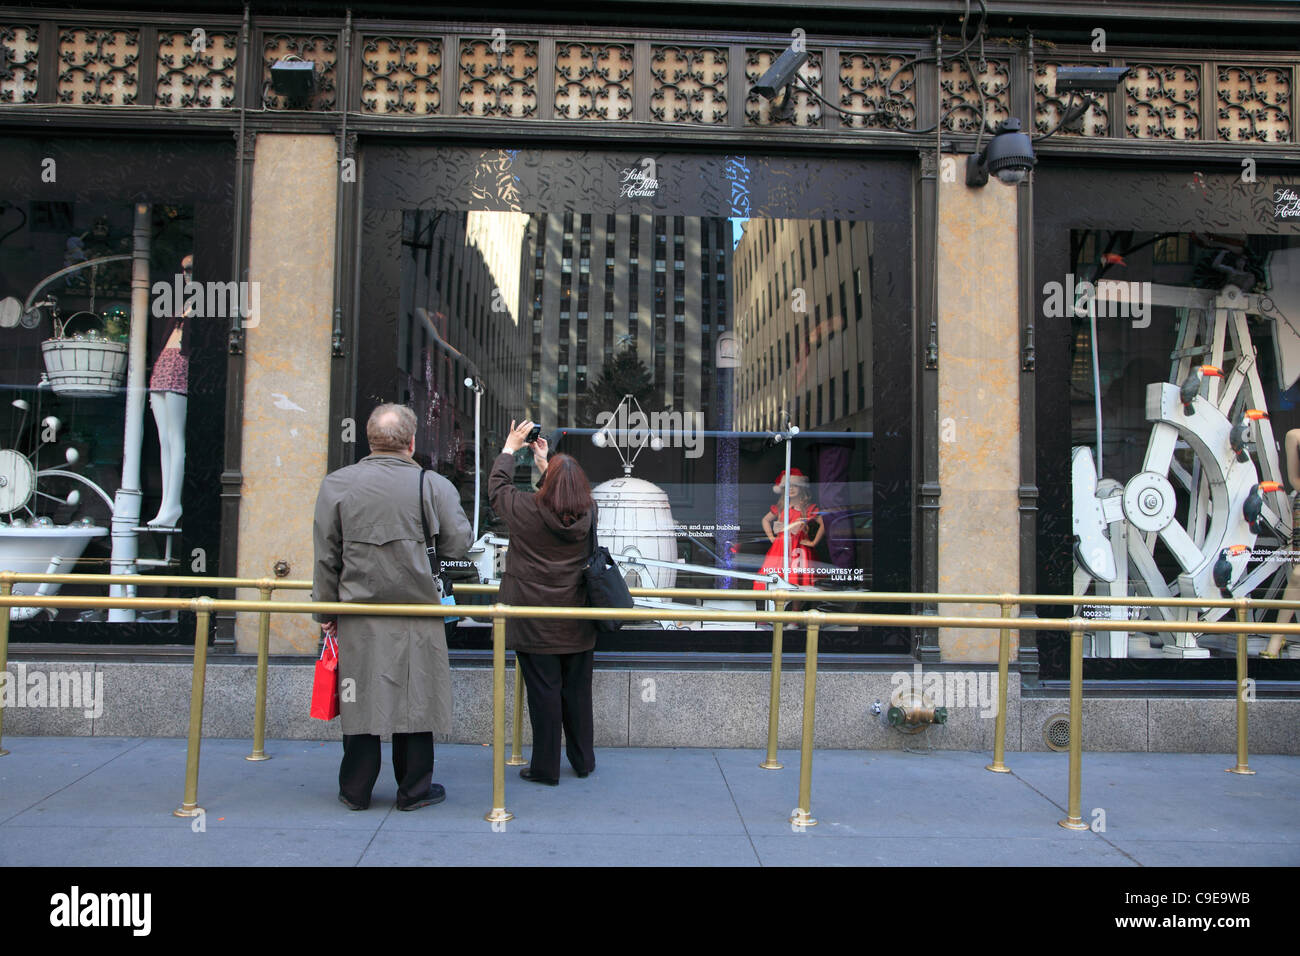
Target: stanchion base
x=771 y=765
x=1241 y=769
x=1073 y=824
x=516 y=762
x=186 y=811
x=998 y=768
x=802 y=818
x=3 y=752
x=258 y=756
x=498 y=815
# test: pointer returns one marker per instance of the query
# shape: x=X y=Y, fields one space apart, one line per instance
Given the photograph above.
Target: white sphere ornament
x=72 y=455
x=600 y=439
x=74 y=497
x=657 y=443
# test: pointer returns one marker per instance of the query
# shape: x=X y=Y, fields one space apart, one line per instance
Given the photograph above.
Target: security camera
x=1009 y=156
x=781 y=73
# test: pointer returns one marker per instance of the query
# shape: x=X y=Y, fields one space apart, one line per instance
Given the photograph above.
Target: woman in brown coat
x=549 y=545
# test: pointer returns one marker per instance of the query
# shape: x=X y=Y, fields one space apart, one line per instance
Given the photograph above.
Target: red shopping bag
x=325 y=689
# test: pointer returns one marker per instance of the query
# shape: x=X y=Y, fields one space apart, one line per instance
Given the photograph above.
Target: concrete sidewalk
x=79 y=801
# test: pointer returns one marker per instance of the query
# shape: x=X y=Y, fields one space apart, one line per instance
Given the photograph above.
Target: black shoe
x=349 y=804
x=527 y=774
x=437 y=793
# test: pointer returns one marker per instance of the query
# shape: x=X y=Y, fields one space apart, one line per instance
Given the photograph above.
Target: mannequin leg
x=169 y=410
x=1292 y=593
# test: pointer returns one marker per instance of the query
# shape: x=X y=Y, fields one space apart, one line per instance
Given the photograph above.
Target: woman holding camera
x=550 y=542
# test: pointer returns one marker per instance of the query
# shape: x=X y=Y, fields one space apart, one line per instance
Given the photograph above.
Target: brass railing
x=812 y=620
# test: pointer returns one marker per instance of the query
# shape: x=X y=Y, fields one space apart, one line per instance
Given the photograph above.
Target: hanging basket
x=84 y=367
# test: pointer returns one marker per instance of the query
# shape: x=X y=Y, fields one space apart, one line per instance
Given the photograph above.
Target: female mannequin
x=1291 y=445
x=168 y=386
x=802 y=524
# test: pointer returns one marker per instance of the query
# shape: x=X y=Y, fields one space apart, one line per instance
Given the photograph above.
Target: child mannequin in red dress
x=803 y=526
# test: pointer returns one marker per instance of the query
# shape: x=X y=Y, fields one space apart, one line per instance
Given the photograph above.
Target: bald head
x=390 y=429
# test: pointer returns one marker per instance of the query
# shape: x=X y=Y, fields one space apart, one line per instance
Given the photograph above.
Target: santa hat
x=797 y=478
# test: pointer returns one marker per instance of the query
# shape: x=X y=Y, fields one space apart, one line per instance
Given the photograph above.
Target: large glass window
x=673 y=421
x=69 y=439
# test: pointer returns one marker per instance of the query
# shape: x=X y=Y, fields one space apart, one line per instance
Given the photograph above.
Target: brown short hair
x=390 y=428
x=565 y=490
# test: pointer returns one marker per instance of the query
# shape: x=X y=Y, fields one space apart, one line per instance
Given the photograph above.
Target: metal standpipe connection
x=916 y=716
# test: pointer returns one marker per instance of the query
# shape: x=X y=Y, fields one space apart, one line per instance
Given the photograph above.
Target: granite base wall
x=657 y=708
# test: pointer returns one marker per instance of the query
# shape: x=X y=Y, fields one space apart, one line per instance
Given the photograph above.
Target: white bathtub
x=37 y=549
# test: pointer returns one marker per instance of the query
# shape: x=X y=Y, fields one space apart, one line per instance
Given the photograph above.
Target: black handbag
x=605 y=585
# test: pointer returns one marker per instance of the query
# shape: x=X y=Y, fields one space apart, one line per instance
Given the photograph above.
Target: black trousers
x=559 y=695
x=412 y=766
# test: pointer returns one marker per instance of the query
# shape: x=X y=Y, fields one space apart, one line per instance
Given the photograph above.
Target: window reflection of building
x=463 y=280
x=803 y=304
x=601 y=283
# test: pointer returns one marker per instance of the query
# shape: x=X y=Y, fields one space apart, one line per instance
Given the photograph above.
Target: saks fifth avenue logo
x=1286 y=202
x=641 y=181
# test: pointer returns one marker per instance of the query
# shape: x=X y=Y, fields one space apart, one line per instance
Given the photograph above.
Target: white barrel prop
x=637 y=520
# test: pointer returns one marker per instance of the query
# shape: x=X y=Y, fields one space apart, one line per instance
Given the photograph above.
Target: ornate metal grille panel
x=1049 y=106
x=401 y=74
x=98 y=66
x=318 y=48
x=593 y=81
x=688 y=84
x=1254 y=104
x=961 y=96
x=807 y=111
x=196 y=70
x=1162 y=101
x=18 y=49
x=878 y=83
x=501 y=82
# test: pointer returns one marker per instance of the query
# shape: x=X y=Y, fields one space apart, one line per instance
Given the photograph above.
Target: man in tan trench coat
x=394 y=676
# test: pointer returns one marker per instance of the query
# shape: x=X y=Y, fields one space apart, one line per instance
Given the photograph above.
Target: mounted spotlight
x=294 y=78
x=1083 y=79
x=1090 y=79
x=1009 y=156
x=781 y=76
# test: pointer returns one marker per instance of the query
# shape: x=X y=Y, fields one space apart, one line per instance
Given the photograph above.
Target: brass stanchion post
x=1000 y=727
x=263 y=652
x=498 y=813
x=802 y=816
x=1075 y=819
x=190 y=806
x=516 y=740
x=6 y=588
x=774 y=699
x=1243 y=758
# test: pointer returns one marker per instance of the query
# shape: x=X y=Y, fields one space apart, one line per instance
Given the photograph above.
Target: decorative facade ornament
x=498 y=83
x=196 y=69
x=688 y=84
x=19 y=45
x=593 y=81
x=401 y=75
x=99 y=67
